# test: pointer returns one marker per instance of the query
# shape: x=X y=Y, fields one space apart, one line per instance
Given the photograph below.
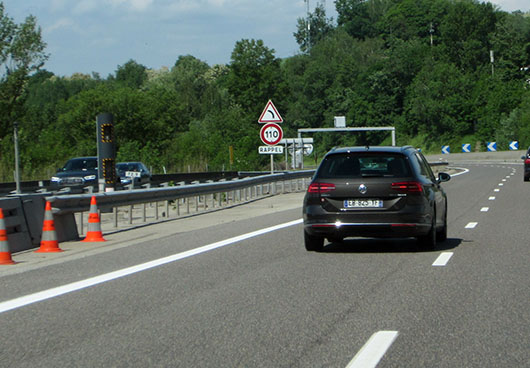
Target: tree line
x=440 y=71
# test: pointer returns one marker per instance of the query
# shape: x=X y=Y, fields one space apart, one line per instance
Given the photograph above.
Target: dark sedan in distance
x=77 y=172
x=133 y=172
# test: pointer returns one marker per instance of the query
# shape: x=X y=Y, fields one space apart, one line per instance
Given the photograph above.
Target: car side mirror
x=443 y=177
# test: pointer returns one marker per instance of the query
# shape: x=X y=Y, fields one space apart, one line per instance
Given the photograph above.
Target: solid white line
x=443 y=259
x=372 y=352
x=484 y=209
x=61 y=290
x=465 y=171
x=471 y=225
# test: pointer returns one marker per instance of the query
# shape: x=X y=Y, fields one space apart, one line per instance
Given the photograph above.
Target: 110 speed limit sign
x=271 y=134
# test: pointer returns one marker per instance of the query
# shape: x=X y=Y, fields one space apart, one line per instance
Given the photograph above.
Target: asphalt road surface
x=244 y=292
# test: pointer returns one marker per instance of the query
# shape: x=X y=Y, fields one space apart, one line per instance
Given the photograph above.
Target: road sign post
x=271 y=134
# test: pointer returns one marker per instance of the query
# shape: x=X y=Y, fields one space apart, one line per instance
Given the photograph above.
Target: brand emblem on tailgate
x=363 y=189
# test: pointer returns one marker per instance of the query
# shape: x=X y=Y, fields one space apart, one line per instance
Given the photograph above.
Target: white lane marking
x=501 y=184
x=471 y=225
x=491 y=198
x=503 y=179
x=464 y=171
x=484 y=209
x=374 y=349
x=496 y=190
x=443 y=259
x=68 y=288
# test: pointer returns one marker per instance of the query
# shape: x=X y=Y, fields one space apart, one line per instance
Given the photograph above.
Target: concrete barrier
x=23 y=216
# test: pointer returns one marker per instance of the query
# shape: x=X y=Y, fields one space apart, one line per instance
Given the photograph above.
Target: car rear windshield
x=128 y=167
x=80 y=164
x=357 y=165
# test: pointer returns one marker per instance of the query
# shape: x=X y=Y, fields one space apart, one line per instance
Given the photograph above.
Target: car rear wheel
x=313 y=243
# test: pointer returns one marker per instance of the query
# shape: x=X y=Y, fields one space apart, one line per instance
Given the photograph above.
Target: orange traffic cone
x=5 y=254
x=93 y=233
x=48 y=241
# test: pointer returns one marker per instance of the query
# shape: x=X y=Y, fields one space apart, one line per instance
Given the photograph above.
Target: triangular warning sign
x=270 y=114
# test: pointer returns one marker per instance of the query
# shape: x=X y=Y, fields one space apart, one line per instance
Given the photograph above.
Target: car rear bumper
x=410 y=221
x=371 y=230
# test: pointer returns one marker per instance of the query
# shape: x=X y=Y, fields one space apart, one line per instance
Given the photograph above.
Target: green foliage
x=131 y=74
x=422 y=66
x=21 y=53
x=313 y=29
x=254 y=75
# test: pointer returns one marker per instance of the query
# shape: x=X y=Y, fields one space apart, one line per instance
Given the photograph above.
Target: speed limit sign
x=271 y=134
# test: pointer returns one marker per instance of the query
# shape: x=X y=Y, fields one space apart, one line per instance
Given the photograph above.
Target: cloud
x=134 y=5
x=58 y=5
x=140 y=5
x=216 y=2
x=85 y=6
x=60 y=24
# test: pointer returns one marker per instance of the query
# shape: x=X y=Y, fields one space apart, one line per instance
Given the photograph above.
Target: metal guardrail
x=65 y=206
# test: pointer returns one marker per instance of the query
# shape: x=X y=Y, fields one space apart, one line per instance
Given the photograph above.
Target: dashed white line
x=484 y=209
x=496 y=190
x=501 y=184
x=374 y=349
x=492 y=198
x=443 y=259
x=471 y=225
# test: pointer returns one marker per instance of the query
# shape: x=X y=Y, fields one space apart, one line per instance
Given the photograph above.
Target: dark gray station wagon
x=375 y=192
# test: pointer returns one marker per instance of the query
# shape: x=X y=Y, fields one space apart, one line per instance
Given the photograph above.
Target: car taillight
x=527 y=161
x=320 y=187
x=408 y=187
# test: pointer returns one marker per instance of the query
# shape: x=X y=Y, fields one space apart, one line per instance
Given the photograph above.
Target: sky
x=86 y=36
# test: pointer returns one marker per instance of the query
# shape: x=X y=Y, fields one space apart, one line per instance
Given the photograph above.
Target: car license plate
x=73 y=181
x=363 y=203
x=132 y=174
